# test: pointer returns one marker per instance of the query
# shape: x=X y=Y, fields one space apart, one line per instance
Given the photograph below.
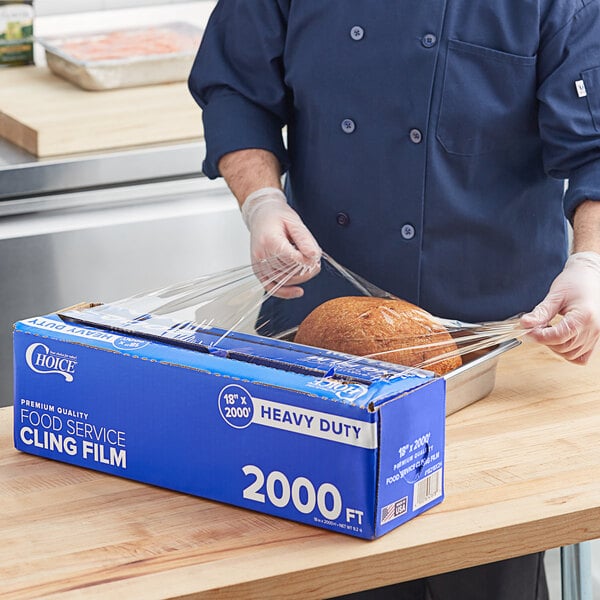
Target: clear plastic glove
x=575 y=294
x=284 y=252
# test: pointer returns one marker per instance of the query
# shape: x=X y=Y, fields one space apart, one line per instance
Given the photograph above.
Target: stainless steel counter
x=24 y=175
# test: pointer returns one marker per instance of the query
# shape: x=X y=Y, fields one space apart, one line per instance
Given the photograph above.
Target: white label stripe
x=315 y=423
x=580 y=87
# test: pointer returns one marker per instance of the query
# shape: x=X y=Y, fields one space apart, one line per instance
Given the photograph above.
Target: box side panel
x=412 y=437
x=241 y=442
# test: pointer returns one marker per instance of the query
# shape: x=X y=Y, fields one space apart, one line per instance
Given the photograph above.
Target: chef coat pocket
x=591 y=80
x=488 y=99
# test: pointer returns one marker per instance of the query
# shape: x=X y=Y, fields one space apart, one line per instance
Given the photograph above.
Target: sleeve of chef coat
x=237 y=79
x=570 y=121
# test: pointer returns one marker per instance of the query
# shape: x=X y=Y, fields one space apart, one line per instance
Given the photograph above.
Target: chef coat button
x=342 y=219
x=429 y=40
x=407 y=231
x=357 y=33
x=348 y=126
x=415 y=136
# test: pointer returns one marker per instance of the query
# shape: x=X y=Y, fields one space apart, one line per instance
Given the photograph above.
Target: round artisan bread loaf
x=387 y=328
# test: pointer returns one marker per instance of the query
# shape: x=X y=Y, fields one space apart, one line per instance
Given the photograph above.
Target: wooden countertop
x=49 y=116
x=522 y=475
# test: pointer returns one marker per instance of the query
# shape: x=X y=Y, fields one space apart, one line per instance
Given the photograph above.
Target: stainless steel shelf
x=23 y=175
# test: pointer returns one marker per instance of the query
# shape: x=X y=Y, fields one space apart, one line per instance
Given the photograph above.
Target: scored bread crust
x=388 y=328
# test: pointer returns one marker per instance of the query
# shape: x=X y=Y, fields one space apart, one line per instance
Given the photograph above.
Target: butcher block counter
x=521 y=476
x=48 y=116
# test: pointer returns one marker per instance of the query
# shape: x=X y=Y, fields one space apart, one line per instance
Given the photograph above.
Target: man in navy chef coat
x=427 y=146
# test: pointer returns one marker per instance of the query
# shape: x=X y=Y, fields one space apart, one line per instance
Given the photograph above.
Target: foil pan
x=475 y=379
x=124 y=58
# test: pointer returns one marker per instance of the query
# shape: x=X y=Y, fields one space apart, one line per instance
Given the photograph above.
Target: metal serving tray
x=137 y=68
x=466 y=385
x=475 y=379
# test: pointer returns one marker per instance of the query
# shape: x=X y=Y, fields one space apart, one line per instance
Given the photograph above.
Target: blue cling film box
x=348 y=444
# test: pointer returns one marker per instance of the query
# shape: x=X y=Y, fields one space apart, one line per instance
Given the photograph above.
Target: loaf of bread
x=392 y=330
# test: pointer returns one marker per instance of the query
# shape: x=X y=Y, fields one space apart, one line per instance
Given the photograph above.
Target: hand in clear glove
x=284 y=252
x=575 y=294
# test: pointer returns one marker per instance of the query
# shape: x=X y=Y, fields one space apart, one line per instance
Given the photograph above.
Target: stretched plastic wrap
x=356 y=318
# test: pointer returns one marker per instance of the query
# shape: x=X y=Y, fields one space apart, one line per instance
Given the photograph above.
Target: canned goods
x=16 y=32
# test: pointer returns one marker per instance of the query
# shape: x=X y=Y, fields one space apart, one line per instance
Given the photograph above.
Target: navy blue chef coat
x=428 y=140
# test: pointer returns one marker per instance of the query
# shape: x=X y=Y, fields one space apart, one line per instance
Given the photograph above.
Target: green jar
x=16 y=32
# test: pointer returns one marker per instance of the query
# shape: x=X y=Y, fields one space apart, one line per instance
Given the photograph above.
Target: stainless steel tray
x=472 y=382
x=127 y=71
x=475 y=379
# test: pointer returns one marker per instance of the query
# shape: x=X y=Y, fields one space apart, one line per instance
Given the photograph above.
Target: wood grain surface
x=521 y=476
x=48 y=116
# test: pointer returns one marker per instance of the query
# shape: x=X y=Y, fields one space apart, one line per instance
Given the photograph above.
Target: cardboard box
x=344 y=443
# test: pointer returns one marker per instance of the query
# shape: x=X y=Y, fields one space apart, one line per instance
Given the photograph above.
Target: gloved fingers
x=284 y=252
x=571 y=351
x=558 y=334
x=296 y=266
x=273 y=243
x=272 y=271
x=267 y=214
x=283 y=283
x=294 y=245
x=584 y=358
x=545 y=311
x=575 y=293
x=304 y=273
x=573 y=337
x=281 y=263
x=304 y=242
x=280 y=282
x=276 y=266
x=280 y=277
x=287 y=292
x=578 y=355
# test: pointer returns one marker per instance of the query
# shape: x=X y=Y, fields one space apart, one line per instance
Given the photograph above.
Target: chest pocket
x=591 y=79
x=488 y=99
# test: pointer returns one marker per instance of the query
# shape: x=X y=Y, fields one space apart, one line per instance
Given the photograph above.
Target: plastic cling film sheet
x=347 y=316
